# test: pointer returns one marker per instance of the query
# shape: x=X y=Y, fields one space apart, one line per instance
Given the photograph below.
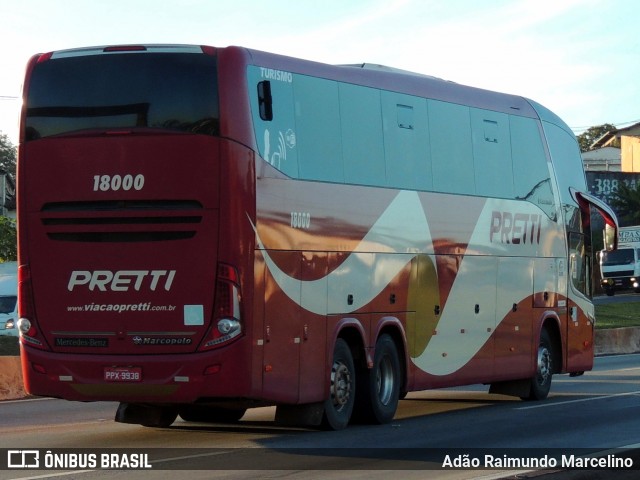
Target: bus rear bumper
x=180 y=378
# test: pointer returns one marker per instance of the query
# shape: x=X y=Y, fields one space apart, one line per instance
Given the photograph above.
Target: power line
x=631 y=122
x=617 y=125
x=8 y=97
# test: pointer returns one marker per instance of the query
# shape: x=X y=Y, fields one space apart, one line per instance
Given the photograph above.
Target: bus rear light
x=225 y=330
x=227 y=323
x=228 y=326
x=24 y=326
x=227 y=302
x=29 y=334
x=228 y=273
x=25 y=293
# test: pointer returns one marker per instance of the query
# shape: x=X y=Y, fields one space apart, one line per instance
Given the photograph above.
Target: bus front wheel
x=541 y=382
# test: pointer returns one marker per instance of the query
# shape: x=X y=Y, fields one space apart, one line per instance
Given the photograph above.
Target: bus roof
x=365 y=74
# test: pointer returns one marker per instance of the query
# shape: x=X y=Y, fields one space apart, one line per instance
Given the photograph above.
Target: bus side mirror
x=605 y=211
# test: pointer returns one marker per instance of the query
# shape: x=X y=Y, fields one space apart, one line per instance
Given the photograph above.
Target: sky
x=579 y=58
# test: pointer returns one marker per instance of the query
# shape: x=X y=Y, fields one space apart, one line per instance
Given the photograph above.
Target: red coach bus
x=205 y=230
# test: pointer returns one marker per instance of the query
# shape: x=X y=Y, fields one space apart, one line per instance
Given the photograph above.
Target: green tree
x=626 y=202
x=586 y=139
x=8 y=155
x=8 y=240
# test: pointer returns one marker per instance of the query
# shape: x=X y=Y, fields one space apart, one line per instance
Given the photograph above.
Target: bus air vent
x=122 y=221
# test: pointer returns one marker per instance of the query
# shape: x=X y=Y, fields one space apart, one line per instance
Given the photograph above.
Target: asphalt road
x=619 y=297
x=593 y=413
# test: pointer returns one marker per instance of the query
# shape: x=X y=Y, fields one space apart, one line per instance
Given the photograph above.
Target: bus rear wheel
x=338 y=407
x=148 y=415
x=206 y=414
x=379 y=387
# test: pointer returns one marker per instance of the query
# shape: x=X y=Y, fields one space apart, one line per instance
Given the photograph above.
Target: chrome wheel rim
x=340 y=385
x=544 y=365
x=384 y=381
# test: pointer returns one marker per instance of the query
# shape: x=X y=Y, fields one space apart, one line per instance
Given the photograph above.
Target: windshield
x=174 y=91
x=8 y=303
x=618 y=257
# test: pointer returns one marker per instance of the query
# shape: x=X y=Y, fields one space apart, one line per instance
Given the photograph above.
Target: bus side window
x=406 y=141
x=579 y=263
x=451 y=148
x=531 y=175
x=318 y=129
x=491 y=143
x=362 y=135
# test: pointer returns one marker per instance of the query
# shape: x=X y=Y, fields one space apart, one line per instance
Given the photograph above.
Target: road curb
x=613 y=341
x=617 y=341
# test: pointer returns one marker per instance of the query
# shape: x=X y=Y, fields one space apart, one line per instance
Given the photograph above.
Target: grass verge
x=617 y=315
x=9 y=346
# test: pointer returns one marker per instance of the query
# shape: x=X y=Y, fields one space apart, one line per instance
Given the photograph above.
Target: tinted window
x=406 y=141
x=491 y=153
x=362 y=146
x=8 y=303
x=567 y=162
x=175 y=91
x=451 y=148
x=276 y=134
x=318 y=129
x=347 y=133
x=531 y=177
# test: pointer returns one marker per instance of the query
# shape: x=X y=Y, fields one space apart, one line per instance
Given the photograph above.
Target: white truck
x=8 y=299
x=620 y=269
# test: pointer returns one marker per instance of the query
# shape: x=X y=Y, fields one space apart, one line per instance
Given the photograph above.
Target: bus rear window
x=169 y=91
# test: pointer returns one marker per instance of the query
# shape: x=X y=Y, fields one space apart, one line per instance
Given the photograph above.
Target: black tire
x=338 y=407
x=205 y=414
x=541 y=382
x=163 y=419
x=379 y=387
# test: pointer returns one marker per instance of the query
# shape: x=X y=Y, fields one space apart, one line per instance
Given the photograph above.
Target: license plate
x=123 y=374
